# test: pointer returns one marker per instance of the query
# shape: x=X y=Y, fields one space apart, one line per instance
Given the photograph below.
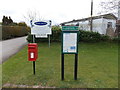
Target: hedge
x=14 y=31
x=84 y=36
x=55 y=37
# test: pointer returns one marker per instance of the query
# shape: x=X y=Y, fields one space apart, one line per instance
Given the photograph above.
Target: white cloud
x=56 y=10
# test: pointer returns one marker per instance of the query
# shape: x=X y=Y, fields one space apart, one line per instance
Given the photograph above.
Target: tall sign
x=69 y=46
x=41 y=29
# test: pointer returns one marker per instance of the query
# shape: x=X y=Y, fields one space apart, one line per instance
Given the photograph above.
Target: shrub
x=105 y=38
x=116 y=39
x=22 y=24
x=14 y=31
x=84 y=36
x=56 y=33
x=88 y=36
x=30 y=38
x=55 y=37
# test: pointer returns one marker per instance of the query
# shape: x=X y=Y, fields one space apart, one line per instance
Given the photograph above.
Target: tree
x=32 y=15
x=119 y=10
x=22 y=24
x=110 y=6
x=114 y=6
x=10 y=21
x=6 y=21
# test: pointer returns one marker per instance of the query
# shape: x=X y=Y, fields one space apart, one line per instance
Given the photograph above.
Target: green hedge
x=55 y=37
x=14 y=31
x=84 y=36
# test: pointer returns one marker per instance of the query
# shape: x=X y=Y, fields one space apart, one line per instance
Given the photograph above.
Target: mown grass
x=0 y=75
x=97 y=67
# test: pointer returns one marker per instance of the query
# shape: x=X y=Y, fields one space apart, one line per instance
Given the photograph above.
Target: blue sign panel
x=72 y=47
x=40 y=23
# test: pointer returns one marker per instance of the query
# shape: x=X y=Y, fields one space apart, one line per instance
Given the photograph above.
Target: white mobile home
x=99 y=23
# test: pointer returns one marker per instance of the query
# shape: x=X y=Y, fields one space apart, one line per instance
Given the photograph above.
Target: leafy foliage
x=84 y=36
x=14 y=31
x=7 y=21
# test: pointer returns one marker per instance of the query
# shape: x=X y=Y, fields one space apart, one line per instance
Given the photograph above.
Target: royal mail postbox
x=32 y=51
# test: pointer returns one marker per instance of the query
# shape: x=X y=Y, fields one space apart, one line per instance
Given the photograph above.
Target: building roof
x=106 y=16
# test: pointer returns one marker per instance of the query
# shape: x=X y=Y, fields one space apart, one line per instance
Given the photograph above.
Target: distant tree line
x=6 y=20
x=12 y=29
x=9 y=21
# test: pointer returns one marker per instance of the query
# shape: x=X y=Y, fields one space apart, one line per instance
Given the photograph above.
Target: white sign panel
x=41 y=35
x=69 y=42
x=41 y=27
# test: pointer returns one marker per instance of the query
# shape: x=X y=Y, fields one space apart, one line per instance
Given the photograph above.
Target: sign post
x=41 y=29
x=69 y=46
x=33 y=61
x=34 y=67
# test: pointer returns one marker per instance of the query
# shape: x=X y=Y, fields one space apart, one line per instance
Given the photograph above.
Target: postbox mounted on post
x=32 y=51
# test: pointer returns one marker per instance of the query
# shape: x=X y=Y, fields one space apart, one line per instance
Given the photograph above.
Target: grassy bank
x=97 y=67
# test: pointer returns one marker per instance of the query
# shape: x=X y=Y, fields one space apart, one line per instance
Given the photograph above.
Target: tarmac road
x=11 y=47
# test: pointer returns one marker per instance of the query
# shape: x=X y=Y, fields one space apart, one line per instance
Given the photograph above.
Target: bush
x=30 y=38
x=22 y=24
x=14 y=31
x=56 y=34
x=105 y=38
x=55 y=37
x=88 y=36
x=116 y=39
x=84 y=36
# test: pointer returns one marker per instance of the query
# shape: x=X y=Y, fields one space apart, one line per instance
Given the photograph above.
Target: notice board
x=69 y=42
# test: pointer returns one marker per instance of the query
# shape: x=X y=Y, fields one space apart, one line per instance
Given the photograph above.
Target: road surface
x=10 y=47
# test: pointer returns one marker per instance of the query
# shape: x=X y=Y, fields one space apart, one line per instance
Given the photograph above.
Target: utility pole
x=117 y=32
x=119 y=10
x=118 y=18
x=91 y=20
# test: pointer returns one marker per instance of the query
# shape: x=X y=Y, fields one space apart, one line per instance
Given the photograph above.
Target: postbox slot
x=31 y=47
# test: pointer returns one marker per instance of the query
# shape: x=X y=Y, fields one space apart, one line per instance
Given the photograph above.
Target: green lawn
x=97 y=67
x=0 y=75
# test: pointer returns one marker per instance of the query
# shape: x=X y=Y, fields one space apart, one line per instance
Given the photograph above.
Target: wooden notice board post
x=69 y=46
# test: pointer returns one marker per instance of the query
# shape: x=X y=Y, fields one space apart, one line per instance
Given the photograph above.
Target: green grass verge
x=97 y=67
x=0 y=75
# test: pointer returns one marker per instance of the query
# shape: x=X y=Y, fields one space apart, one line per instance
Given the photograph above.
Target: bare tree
x=110 y=6
x=113 y=6
x=119 y=10
x=32 y=15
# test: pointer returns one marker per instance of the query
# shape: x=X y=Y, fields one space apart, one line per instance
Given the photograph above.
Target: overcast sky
x=56 y=10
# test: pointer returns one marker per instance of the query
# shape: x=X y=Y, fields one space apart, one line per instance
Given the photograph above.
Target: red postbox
x=32 y=51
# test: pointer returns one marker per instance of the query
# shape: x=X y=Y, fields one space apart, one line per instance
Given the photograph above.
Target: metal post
x=119 y=10
x=76 y=66
x=33 y=61
x=62 y=66
x=49 y=40
x=33 y=39
x=34 y=67
x=91 y=21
